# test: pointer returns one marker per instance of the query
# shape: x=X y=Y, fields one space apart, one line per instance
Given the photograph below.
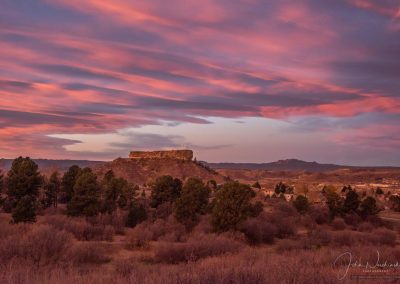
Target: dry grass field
x=278 y=246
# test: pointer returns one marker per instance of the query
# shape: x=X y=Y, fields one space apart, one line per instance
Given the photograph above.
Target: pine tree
x=231 y=206
x=23 y=183
x=351 y=202
x=51 y=190
x=68 y=182
x=136 y=214
x=117 y=192
x=368 y=207
x=192 y=202
x=165 y=189
x=86 y=192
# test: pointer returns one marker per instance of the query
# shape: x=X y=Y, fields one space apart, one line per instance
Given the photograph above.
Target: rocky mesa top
x=186 y=155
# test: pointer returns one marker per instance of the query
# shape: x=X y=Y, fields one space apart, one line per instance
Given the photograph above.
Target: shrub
x=338 y=224
x=204 y=225
x=320 y=215
x=289 y=245
x=318 y=238
x=139 y=237
x=167 y=230
x=196 y=248
x=117 y=220
x=385 y=237
x=344 y=238
x=163 y=210
x=88 y=253
x=365 y=227
x=352 y=219
x=258 y=230
x=124 y=267
x=301 y=204
x=44 y=245
x=285 y=227
x=283 y=208
x=136 y=214
x=80 y=228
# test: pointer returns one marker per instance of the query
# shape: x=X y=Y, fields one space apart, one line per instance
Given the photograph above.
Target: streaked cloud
x=66 y=70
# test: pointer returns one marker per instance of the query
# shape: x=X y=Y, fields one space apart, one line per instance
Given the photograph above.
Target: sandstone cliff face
x=185 y=155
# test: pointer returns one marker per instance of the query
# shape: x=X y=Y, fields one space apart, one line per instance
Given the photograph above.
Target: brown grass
x=195 y=248
x=80 y=228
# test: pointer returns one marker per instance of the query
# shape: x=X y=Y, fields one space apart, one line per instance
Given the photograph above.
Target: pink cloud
x=107 y=65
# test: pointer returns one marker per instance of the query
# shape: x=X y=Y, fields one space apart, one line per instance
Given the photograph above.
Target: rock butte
x=186 y=155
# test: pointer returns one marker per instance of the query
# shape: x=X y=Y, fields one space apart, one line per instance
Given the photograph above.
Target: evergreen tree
x=165 y=189
x=301 y=204
x=117 y=192
x=86 y=193
x=51 y=190
x=333 y=201
x=231 y=206
x=368 y=207
x=256 y=185
x=280 y=188
x=68 y=182
x=136 y=214
x=351 y=201
x=192 y=201
x=25 y=210
x=23 y=183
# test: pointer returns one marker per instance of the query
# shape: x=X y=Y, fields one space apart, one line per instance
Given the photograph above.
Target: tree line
x=25 y=190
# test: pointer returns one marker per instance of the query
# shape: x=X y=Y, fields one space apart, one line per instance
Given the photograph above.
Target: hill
x=281 y=165
x=141 y=171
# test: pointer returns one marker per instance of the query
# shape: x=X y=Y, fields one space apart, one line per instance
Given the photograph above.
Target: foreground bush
x=88 y=253
x=80 y=228
x=162 y=229
x=259 y=230
x=42 y=245
x=338 y=224
x=196 y=248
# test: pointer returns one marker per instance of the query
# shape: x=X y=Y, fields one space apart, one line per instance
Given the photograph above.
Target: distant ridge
x=281 y=165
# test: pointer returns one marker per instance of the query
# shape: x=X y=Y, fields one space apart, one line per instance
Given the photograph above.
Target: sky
x=236 y=81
